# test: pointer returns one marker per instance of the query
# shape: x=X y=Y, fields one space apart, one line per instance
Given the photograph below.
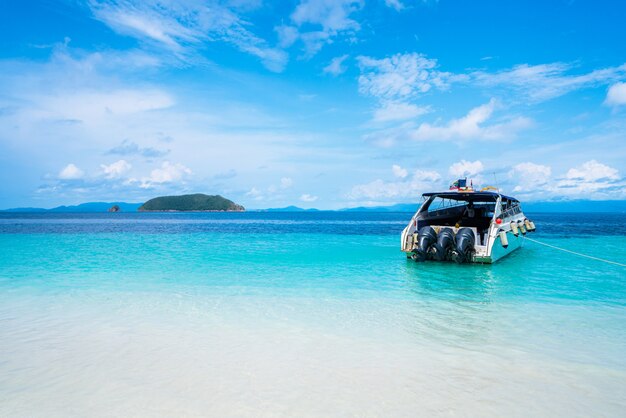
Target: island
x=191 y=203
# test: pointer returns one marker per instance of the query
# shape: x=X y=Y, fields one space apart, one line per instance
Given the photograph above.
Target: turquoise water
x=303 y=315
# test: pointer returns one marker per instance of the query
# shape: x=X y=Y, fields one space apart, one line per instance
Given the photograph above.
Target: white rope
x=578 y=254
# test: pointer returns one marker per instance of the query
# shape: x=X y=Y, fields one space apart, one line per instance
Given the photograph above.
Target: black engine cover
x=426 y=237
x=465 y=239
x=445 y=242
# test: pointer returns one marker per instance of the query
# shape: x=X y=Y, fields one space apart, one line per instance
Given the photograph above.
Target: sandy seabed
x=117 y=354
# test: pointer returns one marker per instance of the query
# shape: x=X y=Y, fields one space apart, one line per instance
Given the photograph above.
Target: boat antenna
x=495 y=179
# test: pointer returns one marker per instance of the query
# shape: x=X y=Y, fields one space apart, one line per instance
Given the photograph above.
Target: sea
x=304 y=314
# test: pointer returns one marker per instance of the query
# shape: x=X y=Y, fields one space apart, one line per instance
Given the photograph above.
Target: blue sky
x=316 y=103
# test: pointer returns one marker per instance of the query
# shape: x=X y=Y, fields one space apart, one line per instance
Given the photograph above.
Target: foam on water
x=304 y=322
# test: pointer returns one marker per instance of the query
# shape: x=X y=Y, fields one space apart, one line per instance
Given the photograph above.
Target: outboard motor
x=465 y=240
x=425 y=238
x=445 y=243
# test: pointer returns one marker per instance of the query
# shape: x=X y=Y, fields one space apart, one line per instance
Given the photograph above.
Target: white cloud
x=272 y=192
x=407 y=75
x=255 y=193
x=399 y=171
x=397 y=111
x=400 y=76
x=546 y=81
x=308 y=198
x=472 y=126
x=183 y=27
x=71 y=172
x=396 y=4
x=591 y=180
x=332 y=17
x=286 y=182
x=616 y=95
x=336 y=65
x=287 y=35
x=413 y=187
x=466 y=169
x=530 y=176
x=403 y=76
x=592 y=171
x=116 y=169
x=530 y=181
x=167 y=173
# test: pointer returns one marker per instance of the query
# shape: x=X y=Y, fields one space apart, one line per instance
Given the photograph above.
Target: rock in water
x=114 y=208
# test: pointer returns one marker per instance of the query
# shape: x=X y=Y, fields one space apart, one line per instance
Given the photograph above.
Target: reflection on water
x=475 y=283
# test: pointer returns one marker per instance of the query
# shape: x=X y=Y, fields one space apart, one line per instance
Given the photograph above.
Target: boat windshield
x=467 y=209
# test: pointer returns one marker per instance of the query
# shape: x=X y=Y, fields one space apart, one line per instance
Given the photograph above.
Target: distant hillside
x=190 y=202
x=91 y=207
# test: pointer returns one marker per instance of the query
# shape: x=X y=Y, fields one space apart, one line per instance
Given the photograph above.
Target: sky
x=314 y=103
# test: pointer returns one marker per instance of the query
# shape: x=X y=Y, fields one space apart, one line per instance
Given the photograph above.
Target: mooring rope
x=575 y=253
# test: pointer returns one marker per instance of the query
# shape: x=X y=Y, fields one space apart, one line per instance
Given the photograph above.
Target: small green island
x=191 y=203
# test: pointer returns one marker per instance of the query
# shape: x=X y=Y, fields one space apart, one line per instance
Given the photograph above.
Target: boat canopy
x=470 y=196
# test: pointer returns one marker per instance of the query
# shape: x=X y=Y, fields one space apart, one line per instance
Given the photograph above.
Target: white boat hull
x=425 y=237
x=498 y=251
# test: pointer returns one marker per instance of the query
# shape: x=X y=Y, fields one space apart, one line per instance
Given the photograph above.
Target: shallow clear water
x=303 y=314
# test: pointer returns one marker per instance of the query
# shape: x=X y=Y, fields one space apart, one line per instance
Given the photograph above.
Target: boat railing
x=513 y=210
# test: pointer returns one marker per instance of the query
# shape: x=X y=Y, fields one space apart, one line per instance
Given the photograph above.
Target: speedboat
x=465 y=226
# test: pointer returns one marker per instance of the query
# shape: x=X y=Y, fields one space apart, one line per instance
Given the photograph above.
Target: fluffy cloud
x=167 y=173
x=466 y=168
x=408 y=187
x=400 y=76
x=272 y=192
x=255 y=193
x=336 y=65
x=616 y=95
x=397 y=111
x=399 y=171
x=408 y=75
x=530 y=176
x=546 y=81
x=472 y=126
x=183 y=27
x=287 y=35
x=592 y=171
x=590 y=180
x=396 y=4
x=308 y=198
x=116 y=169
x=530 y=181
x=71 y=172
x=331 y=17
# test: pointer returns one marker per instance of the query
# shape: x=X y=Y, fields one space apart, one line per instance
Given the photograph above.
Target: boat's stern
x=466 y=227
